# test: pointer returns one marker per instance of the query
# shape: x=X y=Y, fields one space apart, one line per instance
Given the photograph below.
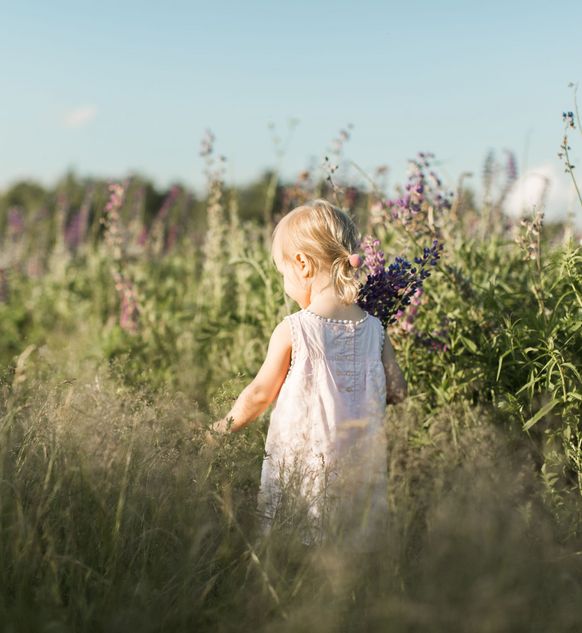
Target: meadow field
x=131 y=320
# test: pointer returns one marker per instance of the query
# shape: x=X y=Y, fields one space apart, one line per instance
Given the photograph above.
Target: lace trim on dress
x=294 y=342
x=330 y=320
x=382 y=338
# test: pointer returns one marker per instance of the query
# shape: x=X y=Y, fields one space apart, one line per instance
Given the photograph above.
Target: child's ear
x=303 y=263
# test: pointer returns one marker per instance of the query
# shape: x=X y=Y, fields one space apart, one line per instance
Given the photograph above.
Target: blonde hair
x=328 y=236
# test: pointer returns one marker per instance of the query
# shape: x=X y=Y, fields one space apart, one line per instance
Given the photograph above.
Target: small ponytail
x=344 y=279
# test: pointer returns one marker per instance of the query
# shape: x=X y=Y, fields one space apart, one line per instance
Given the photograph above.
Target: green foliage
x=507 y=327
x=116 y=515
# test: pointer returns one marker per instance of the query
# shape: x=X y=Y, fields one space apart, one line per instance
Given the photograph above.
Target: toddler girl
x=332 y=370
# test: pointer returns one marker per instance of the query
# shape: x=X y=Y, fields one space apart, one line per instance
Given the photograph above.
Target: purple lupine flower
x=407 y=323
x=142 y=238
x=172 y=237
x=568 y=118
x=350 y=197
x=136 y=219
x=159 y=222
x=113 y=237
x=432 y=343
x=15 y=222
x=421 y=192
x=511 y=166
x=73 y=232
x=387 y=290
x=129 y=309
x=169 y=202
x=437 y=181
x=156 y=230
x=116 y=193
x=374 y=260
x=76 y=229
x=436 y=340
x=488 y=169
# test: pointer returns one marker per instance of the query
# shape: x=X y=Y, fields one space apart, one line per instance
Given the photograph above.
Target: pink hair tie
x=355 y=260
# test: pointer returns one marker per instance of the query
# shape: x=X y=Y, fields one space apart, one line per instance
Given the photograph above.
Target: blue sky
x=107 y=87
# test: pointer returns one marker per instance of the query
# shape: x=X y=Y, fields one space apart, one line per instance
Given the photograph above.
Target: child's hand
x=221 y=426
x=218 y=428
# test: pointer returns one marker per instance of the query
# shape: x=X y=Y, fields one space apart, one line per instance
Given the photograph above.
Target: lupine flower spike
x=388 y=289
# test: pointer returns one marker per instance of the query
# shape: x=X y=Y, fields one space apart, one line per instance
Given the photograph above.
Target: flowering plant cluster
x=389 y=289
x=564 y=154
x=76 y=229
x=129 y=308
x=529 y=237
x=423 y=193
x=568 y=118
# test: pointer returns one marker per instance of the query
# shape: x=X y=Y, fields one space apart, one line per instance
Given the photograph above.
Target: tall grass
x=114 y=516
x=122 y=339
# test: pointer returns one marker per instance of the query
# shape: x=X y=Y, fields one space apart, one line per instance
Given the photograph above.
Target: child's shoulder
x=378 y=321
x=289 y=318
x=286 y=329
x=283 y=333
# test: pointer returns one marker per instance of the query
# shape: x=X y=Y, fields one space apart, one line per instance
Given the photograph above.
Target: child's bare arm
x=396 y=387
x=259 y=394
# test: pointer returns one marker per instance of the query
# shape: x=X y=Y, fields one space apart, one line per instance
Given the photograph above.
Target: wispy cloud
x=80 y=116
x=546 y=187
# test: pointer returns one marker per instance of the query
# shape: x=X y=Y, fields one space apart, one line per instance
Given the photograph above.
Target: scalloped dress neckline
x=330 y=320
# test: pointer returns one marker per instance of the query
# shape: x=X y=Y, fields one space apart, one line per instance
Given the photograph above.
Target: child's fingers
x=210 y=438
x=212 y=434
x=220 y=426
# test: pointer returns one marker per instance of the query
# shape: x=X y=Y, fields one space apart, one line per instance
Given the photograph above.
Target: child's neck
x=330 y=306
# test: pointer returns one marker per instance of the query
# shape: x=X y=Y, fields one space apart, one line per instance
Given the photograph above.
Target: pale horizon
x=132 y=87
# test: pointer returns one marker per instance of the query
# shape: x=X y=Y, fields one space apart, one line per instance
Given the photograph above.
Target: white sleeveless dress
x=326 y=438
